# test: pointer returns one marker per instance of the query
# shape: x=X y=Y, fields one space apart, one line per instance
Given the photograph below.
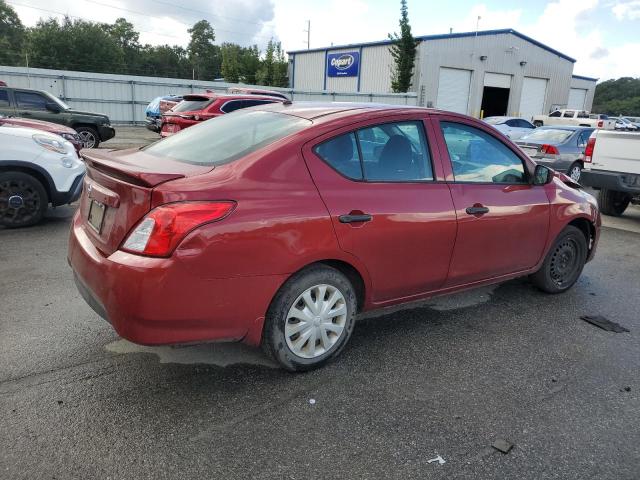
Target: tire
x=538 y=123
x=564 y=263
x=613 y=203
x=575 y=170
x=282 y=330
x=89 y=136
x=23 y=200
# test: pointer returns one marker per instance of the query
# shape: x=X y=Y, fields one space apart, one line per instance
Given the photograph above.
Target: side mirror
x=542 y=175
x=53 y=107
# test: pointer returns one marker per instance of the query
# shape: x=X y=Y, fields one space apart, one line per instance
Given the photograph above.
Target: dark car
x=93 y=128
x=559 y=147
x=275 y=225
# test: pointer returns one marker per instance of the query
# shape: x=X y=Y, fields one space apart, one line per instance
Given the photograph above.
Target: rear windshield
x=551 y=135
x=227 y=138
x=192 y=105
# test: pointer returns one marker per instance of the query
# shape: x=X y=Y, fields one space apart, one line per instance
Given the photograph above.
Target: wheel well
x=75 y=126
x=35 y=174
x=586 y=227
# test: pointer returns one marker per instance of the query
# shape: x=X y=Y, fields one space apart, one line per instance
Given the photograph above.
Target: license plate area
x=96 y=215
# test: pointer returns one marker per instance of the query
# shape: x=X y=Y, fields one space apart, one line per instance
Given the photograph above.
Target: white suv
x=36 y=169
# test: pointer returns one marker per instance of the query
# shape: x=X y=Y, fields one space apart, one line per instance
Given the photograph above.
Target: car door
x=33 y=105
x=6 y=107
x=388 y=202
x=502 y=218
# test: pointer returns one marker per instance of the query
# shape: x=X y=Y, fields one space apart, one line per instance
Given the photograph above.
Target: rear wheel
x=613 y=203
x=537 y=123
x=575 y=171
x=310 y=319
x=89 y=137
x=23 y=200
x=564 y=263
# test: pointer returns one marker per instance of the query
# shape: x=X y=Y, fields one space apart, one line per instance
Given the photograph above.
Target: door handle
x=364 y=217
x=477 y=210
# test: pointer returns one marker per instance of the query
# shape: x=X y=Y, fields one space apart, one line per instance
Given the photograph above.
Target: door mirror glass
x=53 y=107
x=542 y=175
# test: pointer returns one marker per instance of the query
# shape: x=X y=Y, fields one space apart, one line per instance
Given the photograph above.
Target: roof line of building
x=443 y=37
x=580 y=77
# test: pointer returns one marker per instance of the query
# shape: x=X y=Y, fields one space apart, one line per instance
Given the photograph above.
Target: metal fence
x=124 y=97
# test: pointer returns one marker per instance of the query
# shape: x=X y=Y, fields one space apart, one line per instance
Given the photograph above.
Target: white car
x=512 y=127
x=36 y=169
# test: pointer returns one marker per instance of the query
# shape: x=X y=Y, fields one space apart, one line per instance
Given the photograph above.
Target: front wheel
x=537 y=123
x=310 y=319
x=23 y=200
x=613 y=203
x=89 y=137
x=564 y=263
x=575 y=171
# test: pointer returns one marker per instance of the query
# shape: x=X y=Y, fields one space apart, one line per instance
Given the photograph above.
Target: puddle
x=219 y=354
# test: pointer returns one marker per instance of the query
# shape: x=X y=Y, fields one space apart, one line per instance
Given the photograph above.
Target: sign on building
x=344 y=64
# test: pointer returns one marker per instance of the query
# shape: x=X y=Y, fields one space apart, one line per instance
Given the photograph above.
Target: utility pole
x=308 y=31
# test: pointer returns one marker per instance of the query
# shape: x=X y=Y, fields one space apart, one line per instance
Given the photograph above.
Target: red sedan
x=276 y=225
x=194 y=109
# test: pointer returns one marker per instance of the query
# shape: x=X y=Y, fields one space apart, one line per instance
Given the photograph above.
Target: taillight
x=164 y=227
x=600 y=124
x=549 y=149
x=588 y=152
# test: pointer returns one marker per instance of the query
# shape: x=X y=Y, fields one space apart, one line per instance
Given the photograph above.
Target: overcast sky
x=603 y=35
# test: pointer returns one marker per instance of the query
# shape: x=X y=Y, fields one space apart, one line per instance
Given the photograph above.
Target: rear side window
x=4 y=98
x=523 y=124
x=192 y=105
x=479 y=157
x=231 y=106
x=227 y=139
x=390 y=152
x=568 y=114
x=555 y=114
x=30 y=101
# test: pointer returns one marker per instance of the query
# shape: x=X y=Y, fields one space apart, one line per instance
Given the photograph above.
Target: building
x=494 y=72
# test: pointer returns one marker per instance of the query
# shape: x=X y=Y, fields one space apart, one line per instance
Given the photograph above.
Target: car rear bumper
x=158 y=301
x=616 y=181
x=106 y=132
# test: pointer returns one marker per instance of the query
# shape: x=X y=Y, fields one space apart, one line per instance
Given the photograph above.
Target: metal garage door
x=577 y=97
x=498 y=80
x=534 y=91
x=453 y=90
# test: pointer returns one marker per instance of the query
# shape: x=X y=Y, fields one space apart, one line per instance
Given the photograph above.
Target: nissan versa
x=275 y=225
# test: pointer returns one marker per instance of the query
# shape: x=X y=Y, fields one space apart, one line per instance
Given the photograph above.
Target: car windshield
x=192 y=105
x=548 y=135
x=227 y=138
x=495 y=120
x=55 y=99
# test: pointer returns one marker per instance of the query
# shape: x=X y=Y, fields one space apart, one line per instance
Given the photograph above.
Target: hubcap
x=19 y=202
x=564 y=262
x=316 y=321
x=88 y=139
x=575 y=173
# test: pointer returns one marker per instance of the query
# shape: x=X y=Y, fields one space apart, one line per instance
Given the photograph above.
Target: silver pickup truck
x=612 y=166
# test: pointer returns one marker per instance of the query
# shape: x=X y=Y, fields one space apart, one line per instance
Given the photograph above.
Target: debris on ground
x=439 y=459
x=312 y=401
x=626 y=389
x=603 y=323
x=502 y=445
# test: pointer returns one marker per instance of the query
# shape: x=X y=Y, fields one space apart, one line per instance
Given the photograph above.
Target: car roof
x=313 y=110
x=228 y=96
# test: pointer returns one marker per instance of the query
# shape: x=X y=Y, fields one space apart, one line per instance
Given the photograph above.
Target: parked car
x=634 y=120
x=561 y=148
x=196 y=108
x=67 y=133
x=36 y=169
x=256 y=91
x=93 y=128
x=612 y=166
x=276 y=224
x=156 y=108
x=512 y=127
x=624 y=124
x=579 y=118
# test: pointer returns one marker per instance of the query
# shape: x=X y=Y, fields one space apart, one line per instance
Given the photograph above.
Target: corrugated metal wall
x=124 y=98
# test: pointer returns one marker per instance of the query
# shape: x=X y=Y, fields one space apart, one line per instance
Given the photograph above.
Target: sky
x=602 y=35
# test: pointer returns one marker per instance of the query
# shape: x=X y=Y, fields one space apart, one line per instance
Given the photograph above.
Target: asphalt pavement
x=443 y=380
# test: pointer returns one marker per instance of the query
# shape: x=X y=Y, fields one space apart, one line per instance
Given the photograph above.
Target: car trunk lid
x=118 y=190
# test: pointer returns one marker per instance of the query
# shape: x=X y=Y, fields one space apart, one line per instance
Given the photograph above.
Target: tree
x=403 y=50
x=12 y=36
x=203 y=54
x=273 y=70
x=249 y=64
x=128 y=39
x=618 y=97
x=230 y=62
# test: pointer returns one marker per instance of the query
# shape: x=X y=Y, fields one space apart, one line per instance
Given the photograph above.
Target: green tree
x=12 y=36
x=231 y=70
x=165 y=61
x=618 y=97
x=249 y=64
x=403 y=50
x=203 y=53
x=273 y=68
x=128 y=40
